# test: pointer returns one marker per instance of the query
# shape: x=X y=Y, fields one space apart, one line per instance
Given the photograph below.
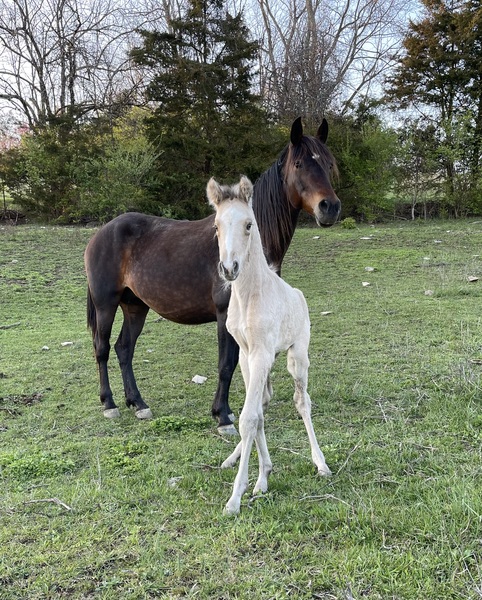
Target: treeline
x=193 y=99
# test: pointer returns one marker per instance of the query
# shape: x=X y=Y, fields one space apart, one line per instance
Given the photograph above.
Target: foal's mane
x=275 y=216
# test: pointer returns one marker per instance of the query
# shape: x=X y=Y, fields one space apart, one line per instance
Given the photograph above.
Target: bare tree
x=69 y=58
x=323 y=54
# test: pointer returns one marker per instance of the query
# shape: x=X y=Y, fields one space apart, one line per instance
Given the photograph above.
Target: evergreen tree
x=206 y=120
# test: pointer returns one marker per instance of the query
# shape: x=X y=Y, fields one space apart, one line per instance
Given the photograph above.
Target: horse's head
x=234 y=223
x=307 y=169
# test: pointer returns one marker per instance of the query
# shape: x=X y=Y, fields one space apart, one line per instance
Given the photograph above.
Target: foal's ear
x=245 y=189
x=296 y=132
x=322 y=133
x=214 y=192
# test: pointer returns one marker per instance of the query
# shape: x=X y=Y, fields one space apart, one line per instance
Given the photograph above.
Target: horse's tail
x=91 y=313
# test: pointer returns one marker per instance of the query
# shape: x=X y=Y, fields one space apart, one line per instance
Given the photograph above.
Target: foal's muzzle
x=229 y=273
x=328 y=211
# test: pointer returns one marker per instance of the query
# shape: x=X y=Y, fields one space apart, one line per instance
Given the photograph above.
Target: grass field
x=94 y=508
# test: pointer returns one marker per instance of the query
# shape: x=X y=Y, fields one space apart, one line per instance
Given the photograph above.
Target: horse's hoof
x=227 y=430
x=144 y=413
x=112 y=413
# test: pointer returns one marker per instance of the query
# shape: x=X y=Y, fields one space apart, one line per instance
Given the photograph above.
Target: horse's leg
x=298 y=364
x=228 y=355
x=101 y=336
x=134 y=318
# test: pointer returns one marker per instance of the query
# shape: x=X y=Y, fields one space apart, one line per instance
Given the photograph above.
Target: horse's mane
x=272 y=209
x=275 y=216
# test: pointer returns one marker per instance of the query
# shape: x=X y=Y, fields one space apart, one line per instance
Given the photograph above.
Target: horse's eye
x=215 y=227
x=298 y=164
x=248 y=226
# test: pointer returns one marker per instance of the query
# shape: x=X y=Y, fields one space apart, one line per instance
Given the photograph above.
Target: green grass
x=93 y=508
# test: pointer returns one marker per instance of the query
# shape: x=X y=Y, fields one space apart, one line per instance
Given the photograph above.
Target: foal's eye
x=248 y=226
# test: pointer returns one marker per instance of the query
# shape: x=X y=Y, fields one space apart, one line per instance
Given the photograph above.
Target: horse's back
x=170 y=265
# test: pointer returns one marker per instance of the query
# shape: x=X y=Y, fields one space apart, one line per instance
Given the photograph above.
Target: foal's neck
x=256 y=267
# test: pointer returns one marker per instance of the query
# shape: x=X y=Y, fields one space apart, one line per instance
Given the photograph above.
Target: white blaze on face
x=231 y=222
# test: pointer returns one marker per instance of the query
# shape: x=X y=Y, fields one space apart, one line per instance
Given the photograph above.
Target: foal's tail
x=91 y=313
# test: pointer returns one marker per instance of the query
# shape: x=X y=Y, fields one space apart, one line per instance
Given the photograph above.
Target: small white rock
x=173 y=481
x=199 y=379
x=369 y=269
x=45 y=348
x=365 y=283
x=67 y=344
x=428 y=292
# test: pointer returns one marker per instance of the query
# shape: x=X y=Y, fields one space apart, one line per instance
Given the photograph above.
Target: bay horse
x=139 y=262
x=265 y=316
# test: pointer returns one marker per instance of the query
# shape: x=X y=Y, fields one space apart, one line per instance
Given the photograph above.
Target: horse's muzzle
x=229 y=273
x=328 y=212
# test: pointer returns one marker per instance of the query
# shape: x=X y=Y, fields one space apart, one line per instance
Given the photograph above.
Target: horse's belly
x=178 y=303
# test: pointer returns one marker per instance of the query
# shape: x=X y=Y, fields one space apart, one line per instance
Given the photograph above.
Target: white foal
x=265 y=316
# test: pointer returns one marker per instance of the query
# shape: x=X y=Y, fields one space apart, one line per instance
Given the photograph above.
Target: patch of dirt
x=11 y=404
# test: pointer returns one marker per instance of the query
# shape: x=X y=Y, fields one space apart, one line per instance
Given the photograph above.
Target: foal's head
x=234 y=223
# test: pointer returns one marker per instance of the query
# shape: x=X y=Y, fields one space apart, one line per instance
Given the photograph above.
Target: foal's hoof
x=230 y=511
x=112 y=413
x=144 y=413
x=227 y=430
x=325 y=472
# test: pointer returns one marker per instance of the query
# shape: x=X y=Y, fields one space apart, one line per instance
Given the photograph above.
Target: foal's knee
x=248 y=424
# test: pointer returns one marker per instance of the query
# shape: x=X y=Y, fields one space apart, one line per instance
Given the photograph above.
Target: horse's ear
x=322 y=133
x=296 y=132
x=214 y=192
x=246 y=189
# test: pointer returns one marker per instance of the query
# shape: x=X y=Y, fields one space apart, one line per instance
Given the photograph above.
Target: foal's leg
x=264 y=460
x=228 y=355
x=234 y=456
x=251 y=429
x=134 y=318
x=248 y=425
x=265 y=464
x=298 y=364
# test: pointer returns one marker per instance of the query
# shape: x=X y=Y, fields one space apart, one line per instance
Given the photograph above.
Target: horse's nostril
x=329 y=208
x=235 y=266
